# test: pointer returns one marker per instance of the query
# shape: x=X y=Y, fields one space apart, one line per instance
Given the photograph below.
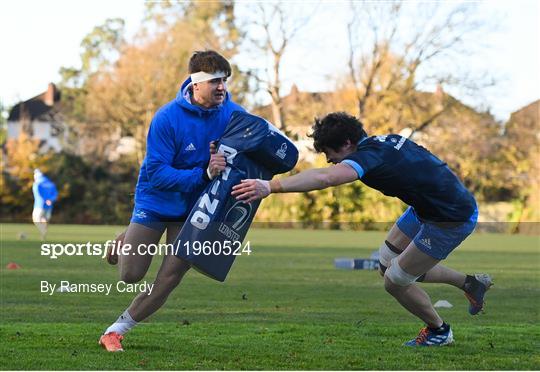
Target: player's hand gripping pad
x=214 y=231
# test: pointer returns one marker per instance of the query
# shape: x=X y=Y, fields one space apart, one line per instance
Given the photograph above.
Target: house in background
x=38 y=117
x=299 y=110
x=41 y=118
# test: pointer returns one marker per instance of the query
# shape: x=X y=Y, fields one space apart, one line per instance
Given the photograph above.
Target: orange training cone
x=13 y=266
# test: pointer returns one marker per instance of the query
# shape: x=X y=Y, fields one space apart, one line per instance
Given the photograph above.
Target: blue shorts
x=433 y=239
x=154 y=220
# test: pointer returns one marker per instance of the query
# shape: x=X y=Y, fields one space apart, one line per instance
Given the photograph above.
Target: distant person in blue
x=441 y=213
x=45 y=195
x=180 y=161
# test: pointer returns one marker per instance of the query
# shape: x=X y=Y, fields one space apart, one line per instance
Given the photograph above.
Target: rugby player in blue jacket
x=179 y=163
x=441 y=212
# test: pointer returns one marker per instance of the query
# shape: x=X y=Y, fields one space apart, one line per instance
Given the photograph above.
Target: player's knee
x=165 y=284
x=169 y=280
x=391 y=287
x=173 y=281
x=395 y=277
x=131 y=276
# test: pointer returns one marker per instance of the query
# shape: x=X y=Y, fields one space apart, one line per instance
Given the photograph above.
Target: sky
x=38 y=37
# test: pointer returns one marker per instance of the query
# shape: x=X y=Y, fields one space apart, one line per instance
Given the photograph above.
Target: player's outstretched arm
x=309 y=180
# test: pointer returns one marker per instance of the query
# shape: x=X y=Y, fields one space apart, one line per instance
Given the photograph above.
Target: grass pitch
x=284 y=307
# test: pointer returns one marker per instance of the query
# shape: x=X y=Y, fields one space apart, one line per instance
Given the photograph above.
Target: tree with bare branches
x=273 y=28
x=122 y=84
x=393 y=47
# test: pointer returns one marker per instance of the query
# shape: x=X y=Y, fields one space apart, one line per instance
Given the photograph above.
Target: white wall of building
x=43 y=131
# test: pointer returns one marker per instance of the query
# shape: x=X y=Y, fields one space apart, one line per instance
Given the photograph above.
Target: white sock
x=123 y=324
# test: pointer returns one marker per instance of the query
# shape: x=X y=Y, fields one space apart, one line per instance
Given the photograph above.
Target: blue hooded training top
x=177 y=153
x=44 y=189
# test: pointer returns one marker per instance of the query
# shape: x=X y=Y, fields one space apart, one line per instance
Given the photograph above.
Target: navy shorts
x=433 y=239
x=154 y=220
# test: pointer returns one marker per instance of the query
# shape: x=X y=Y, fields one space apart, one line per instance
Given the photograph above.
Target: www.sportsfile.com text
x=197 y=248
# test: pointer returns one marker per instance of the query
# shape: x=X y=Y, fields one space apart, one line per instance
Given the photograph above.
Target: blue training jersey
x=399 y=167
x=44 y=189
